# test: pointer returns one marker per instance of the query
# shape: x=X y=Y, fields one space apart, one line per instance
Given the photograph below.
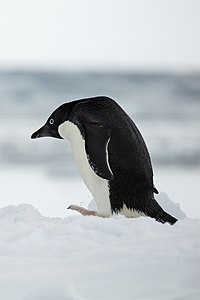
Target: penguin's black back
x=129 y=158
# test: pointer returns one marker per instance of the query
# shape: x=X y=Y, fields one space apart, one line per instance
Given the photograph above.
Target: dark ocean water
x=165 y=107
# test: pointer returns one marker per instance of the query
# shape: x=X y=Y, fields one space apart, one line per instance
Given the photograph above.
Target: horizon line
x=96 y=69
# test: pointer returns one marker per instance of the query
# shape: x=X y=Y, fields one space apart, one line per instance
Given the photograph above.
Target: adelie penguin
x=111 y=155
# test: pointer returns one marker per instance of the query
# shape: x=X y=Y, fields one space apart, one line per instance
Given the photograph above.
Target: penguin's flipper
x=97 y=139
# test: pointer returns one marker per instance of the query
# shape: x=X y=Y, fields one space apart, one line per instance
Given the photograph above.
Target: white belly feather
x=97 y=185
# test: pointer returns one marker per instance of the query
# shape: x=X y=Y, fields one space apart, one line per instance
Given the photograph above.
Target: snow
x=49 y=252
x=79 y=258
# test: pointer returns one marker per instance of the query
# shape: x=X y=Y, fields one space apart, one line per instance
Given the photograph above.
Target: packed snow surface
x=79 y=258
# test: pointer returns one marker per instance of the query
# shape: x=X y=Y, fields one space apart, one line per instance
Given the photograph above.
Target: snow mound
x=22 y=213
x=87 y=258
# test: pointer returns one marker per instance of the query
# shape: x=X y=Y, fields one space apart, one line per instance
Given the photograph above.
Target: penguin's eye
x=51 y=121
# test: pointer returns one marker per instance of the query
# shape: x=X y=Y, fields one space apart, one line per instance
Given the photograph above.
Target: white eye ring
x=51 y=121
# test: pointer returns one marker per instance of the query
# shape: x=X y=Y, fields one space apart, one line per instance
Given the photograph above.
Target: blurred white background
x=107 y=34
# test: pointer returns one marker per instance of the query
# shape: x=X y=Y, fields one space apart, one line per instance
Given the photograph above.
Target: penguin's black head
x=50 y=128
x=83 y=111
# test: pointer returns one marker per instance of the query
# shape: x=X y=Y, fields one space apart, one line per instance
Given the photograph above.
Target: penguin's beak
x=43 y=131
x=46 y=131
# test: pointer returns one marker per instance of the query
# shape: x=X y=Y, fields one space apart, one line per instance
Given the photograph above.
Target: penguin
x=111 y=155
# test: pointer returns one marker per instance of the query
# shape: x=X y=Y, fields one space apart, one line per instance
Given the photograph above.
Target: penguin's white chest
x=97 y=185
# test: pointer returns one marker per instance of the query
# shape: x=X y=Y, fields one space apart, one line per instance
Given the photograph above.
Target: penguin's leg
x=82 y=210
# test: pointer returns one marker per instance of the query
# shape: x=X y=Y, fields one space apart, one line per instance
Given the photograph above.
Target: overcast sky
x=86 y=34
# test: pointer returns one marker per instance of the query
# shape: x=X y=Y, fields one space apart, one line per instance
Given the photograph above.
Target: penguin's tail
x=165 y=217
x=154 y=210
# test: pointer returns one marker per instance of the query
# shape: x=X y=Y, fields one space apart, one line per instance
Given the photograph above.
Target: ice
x=79 y=258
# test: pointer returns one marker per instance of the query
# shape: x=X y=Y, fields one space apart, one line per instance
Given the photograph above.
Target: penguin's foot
x=82 y=210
